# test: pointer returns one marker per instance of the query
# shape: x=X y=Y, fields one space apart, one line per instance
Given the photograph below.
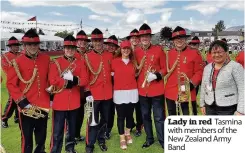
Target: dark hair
x=219 y=43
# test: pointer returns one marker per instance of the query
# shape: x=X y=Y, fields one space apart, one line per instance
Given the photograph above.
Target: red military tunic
x=240 y=58
x=155 y=57
x=124 y=75
x=78 y=55
x=67 y=99
x=209 y=58
x=190 y=63
x=6 y=60
x=36 y=95
x=101 y=89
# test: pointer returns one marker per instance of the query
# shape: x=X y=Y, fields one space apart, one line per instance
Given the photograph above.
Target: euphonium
x=89 y=110
x=34 y=112
x=184 y=93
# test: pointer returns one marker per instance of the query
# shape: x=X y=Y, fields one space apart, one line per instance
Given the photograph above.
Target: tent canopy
x=6 y=35
x=232 y=41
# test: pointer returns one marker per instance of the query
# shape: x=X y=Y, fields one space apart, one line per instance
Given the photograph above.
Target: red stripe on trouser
x=6 y=113
x=87 y=133
x=65 y=127
x=52 y=139
x=22 y=135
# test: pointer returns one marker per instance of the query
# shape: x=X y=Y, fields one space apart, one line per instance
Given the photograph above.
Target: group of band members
x=136 y=75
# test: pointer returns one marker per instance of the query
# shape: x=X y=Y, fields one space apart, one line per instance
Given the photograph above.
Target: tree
x=40 y=32
x=19 y=31
x=166 y=33
x=220 y=26
x=63 y=34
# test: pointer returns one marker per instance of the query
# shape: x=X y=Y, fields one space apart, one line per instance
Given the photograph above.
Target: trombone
x=89 y=110
x=184 y=94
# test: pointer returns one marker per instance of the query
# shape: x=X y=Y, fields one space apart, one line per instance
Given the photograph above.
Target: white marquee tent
x=47 y=41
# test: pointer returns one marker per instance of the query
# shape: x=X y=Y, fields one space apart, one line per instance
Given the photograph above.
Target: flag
x=33 y=19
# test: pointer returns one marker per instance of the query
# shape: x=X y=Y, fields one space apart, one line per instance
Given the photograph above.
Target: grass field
x=11 y=139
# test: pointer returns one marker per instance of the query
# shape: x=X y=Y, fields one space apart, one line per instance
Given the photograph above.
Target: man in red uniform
x=26 y=82
x=186 y=61
x=194 y=43
x=82 y=42
x=99 y=90
x=66 y=75
x=6 y=59
x=151 y=60
x=134 y=40
x=240 y=58
x=112 y=43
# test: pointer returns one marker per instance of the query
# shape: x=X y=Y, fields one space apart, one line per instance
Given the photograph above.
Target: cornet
x=145 y=83
x=52 y=89
x=184 y=94
x=89 y=110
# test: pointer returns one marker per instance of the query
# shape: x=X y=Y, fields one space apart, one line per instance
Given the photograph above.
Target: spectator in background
x=222 y=89
x=240 y=58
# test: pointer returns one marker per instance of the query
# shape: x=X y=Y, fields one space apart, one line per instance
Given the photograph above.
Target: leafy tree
x=166 y=33
x=19 y=31
x=220 y=26
x=63 y=34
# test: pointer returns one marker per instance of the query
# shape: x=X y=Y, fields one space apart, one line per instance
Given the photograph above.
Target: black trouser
x=184 y=106
x=39 y=127
x=80 y=116
x=139 y=120
x=101 y=107
x=155 y=103
x=197 y=89
x=124 y=111
x=111 y=118
x=9 y=110
x=220 y=110
x=59 y=119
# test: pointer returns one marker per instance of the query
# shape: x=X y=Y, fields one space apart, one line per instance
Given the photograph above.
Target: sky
x=120 y=16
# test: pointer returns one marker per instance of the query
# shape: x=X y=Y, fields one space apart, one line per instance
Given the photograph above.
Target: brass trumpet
x=35 y=112
x=89 y=110
x=184 y=94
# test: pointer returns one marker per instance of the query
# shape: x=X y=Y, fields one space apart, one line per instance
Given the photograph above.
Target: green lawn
x=11 y=139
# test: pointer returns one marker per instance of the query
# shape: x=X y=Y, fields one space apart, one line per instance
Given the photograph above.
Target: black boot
x=147 y=144
x=89 y=149
x=5 y=124
x=103 y=147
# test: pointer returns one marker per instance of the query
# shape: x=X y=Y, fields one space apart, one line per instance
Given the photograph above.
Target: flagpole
x=36 y=24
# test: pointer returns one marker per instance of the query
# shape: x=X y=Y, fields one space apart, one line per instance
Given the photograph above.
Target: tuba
x=184 y=94
x=52 y=89
x=89 y=110
x=35 y=112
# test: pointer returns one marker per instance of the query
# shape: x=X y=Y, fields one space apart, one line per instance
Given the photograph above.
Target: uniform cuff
x=159 y=76
x=75 y=80
x=69 y=84
x=87 y=93
x=23 y=103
